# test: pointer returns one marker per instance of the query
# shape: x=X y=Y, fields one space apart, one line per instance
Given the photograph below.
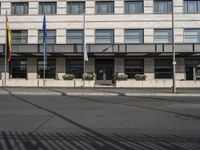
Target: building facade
x=131 y=37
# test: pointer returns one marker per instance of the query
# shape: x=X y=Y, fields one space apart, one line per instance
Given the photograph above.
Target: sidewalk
x=101 y=91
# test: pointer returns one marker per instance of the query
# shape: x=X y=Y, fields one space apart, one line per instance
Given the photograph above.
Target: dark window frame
x=42 y=11
x=163 y=71
x=169 y=6
x=163 y=29
x=112 y=39
x=76 y=69
x=185 y=9
x=97 y=12
x=40 y=37
x=81 y=38
x=49 y=74
x=13 y=9
x=136 y=1
x=134 y=67
x=75 y=2
x=24 y=38
x=141 y=37
x=18 y=72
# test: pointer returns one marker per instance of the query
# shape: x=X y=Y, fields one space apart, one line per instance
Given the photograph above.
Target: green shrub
x=140 y=76
x=68 y=76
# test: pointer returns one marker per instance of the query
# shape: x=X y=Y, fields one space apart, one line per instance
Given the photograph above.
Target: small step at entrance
x=103 y=83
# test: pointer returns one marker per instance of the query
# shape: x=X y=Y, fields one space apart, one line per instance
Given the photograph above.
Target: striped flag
x=44 y=39
x=8 y=40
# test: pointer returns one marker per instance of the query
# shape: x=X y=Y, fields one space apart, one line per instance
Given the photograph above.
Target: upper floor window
x=162 y=35
x=19 y=36
x=192 y=6
x=51 y=37
x=192 y=35
x=132 y=7
x=104 y=7
x=47 y=7
x=75 y=7
x=75 y=36
x=133 y=35
x=163 y=6
x=104 y=36
x=19 y=8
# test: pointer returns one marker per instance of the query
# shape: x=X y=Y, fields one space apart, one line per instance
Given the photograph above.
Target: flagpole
x=5 y=76
x=84 y=47
x=44 y=50
x=173 y=50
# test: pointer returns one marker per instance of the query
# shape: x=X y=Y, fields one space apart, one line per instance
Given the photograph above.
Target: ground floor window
x=191 y=66
x=18 y=68
x=75 y=66
x=133 y=67
x=163 y=69
x=50 y=69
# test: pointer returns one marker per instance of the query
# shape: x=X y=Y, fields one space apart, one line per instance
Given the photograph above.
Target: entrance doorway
x=104 y=70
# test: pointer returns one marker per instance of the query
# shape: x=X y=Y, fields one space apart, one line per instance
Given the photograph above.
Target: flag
x=85 y=53
x=44 y=40
x=8 y=39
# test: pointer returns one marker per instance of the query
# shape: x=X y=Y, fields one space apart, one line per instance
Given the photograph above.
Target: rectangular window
x=18 y=68
x=191 y=35
x=133 y=67
x=75 y=7
x=104 y=7
x=192 y=6
x=162 y=6
x=19 y=8
x=47 y=7
x=104 y=36
x=190 y=66
x=75 y=66
x=75 y=36
x=133 y=35
x=163 y=68
x=132 y=7
x=19 y=36
x=50 y=69
x=162 y=35
x=51 y=37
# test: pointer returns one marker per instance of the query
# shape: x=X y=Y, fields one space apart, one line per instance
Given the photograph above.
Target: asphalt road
x=99 y=123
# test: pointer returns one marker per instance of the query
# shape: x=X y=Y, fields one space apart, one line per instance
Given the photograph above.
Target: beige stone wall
x=119 y=65
x=118 y=21
x=60 y=68
x=32 y=68
x=149 y=68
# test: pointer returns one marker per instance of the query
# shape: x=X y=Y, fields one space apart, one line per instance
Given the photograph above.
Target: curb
x=98 y=94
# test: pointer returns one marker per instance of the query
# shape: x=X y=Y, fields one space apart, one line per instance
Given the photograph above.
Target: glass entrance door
x=104 y=69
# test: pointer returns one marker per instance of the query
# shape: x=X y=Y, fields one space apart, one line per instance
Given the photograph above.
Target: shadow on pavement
x=88 y=141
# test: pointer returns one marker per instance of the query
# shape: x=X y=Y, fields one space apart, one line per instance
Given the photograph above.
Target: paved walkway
x=102 y=91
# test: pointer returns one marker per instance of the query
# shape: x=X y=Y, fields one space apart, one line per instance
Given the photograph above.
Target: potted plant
x=68 y=76
x=121 y=76
x=88 y=76
x=140 y=77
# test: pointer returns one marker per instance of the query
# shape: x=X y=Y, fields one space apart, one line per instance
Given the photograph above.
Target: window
x=50 y=69
x=47 y=7
x=75 y=66
x=75 y=7
x=18 y=68
x=162 y=35
x=163 y=68
x=104 y=7
x=19 y=8
x=75 y=36
x=104 y=36
x=192 y=35
x=133 y=36
x=162 y=6
x=51 y=37
x=133 y=67
x=132 y=7
x=192 y=6
x=190 y=64
x=19 y=36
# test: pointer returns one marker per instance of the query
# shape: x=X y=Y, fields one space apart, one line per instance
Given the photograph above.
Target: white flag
x=85 y=53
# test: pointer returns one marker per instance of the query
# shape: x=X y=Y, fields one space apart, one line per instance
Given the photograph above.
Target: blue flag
x=44 y=39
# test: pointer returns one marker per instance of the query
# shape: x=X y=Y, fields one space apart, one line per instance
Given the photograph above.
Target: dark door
x=104 y=69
